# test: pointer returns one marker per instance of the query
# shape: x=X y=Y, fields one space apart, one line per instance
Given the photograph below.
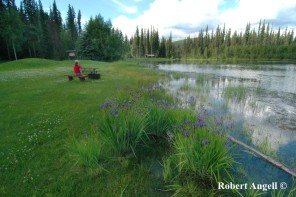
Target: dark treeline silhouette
x=147 y=42
x=29 y=31
x=261 y=43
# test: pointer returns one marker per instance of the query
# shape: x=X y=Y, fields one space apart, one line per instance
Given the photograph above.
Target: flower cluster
x=154 y=86
x=191 y=100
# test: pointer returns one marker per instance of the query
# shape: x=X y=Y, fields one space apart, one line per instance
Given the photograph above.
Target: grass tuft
x=89 y=152
x=199 y=157
x=239 y=92
x=123 y=132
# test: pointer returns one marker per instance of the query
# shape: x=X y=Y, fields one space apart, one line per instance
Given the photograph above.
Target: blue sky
x=183 y=17
x=109 y=9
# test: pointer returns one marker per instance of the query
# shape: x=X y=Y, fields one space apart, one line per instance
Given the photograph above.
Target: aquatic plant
x=176 y=75
x=185 y=87
x=191 y=100
x=265 y=147
x=123 y=133
x=159 y=122
x=198 y=157
x=237 y=92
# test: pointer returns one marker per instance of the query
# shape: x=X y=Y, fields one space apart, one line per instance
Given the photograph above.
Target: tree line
x=29 y=31
x=147 y=42
x=258 y=43
x=262 y=42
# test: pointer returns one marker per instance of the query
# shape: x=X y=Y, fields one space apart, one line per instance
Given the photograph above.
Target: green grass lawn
x=117 y=136
x=42 y=113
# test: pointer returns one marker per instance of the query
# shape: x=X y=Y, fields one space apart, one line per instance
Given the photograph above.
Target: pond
x=257 y=101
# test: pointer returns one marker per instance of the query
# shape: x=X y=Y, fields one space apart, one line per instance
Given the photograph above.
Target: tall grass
x=265 y=147
x=89 y=152
x=133 y=124
x=124 y=132
x=200 y=158
x=238 y=92
x=159 y=123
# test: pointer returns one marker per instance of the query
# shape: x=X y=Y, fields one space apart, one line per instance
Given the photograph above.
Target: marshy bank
x=254 y=103
x=73 y=138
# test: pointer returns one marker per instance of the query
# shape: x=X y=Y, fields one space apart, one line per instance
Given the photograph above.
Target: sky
x=183 y=17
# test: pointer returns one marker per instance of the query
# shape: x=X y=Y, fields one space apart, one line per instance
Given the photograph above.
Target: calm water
x=264 y=117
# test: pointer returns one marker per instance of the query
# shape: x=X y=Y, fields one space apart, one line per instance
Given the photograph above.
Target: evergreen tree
x=101 y=42
x=71 y=26
x=79 y=22
x=56 y=28
x=169 y=47
x=162 y=49
x=12 y=29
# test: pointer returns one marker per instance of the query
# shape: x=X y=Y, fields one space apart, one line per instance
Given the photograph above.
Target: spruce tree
x=79 y=22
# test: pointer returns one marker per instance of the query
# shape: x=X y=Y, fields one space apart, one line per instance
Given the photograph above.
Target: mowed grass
x=42 y=113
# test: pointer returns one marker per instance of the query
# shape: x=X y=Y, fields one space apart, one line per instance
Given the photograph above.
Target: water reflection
x=261 y=99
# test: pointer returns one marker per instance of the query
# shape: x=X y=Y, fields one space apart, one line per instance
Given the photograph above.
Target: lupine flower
x=205 y=141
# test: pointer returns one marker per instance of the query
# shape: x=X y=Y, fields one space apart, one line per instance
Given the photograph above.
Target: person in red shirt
x=77 y=68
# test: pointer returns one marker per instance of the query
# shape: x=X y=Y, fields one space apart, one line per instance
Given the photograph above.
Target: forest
x=262 y=42
x=29 y=31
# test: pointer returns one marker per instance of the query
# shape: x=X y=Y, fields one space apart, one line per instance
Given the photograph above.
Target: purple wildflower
x=186 y=133
x=187 y=122
x=115 y=112
x=126 y=104
x=205 y=141
x=191 y=100
x=200 y=122
x=106 y=105
x=150 y=86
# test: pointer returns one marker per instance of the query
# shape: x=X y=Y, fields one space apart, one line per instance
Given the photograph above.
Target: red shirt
x=77 y=68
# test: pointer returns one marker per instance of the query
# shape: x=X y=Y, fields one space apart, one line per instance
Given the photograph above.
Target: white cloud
x=254 y=10
x=125 y=8
x=187 y=17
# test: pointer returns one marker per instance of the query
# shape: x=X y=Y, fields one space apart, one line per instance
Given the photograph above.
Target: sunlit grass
x=199 y=158
x=44 y=120
x=89 y=152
